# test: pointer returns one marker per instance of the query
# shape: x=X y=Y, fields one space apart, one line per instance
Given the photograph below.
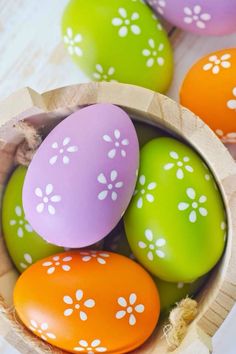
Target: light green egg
x=171 y=293
x=175 y=223
x=119 y=40
x=24 y=245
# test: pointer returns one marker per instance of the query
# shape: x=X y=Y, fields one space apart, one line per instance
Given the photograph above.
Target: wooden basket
x=45 y=110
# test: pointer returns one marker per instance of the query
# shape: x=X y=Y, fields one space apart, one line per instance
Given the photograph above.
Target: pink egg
x=207 y=17
x=82 y=177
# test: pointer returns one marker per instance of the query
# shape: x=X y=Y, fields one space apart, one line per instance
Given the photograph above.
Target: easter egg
x=24 y=245
x=175 y=223
x=130 y=45
x=209 y=90
x=171 y=293
x=105 y=302
x=82 y=177
x=206 y=17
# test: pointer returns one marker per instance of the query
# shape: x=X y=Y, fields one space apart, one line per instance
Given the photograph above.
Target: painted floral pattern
x=181 y=165
x=153 y=54
x=116 y=143
x=151 y=246
x=196 y=16
x=226 y=138
x=58 y=262
x=127 y=23
x=62 y=151
x=144 y=191
x=100 y=257
x=20 y=222
x=129 y=309
x=111 y=185
x=231 y=104
x=73 y=42
x=42 y=330
x=27 y=261
x=47 y=199
x=92 y=348
x=78 y=304
x=195 y=206
x=215 y=63
x=102 y=75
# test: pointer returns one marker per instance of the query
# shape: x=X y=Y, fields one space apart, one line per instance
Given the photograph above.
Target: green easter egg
x=171 y=293
x=118 y=40
x=147 y=132
x=175 y=223
x=24 y=245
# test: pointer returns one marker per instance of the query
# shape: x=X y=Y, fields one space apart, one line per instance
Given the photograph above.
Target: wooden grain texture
x=219 y=295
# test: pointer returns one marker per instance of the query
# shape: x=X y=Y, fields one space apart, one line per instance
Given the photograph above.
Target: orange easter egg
x=88 y=302
x=209 y=90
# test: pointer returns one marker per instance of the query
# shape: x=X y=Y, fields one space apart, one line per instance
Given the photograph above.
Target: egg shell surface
x=82 y=177
x=103 y=300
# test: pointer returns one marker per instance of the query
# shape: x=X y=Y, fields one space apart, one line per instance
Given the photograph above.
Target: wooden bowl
x=45 y=110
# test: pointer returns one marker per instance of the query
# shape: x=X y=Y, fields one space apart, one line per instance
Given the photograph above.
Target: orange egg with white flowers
x=88 y=301
x=209 y=90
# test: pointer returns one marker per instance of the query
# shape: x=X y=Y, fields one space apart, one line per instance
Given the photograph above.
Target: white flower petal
x=146 y=52
x=79 y=294
x=111 y=71
x=203 y=199
x=122 y=302
x=101 y=260
x=122 y=12
x=112 y=153
x=38 y=192
x=117 y=21
x=168 y=166
x=53 y=160
x=207 y=66
x=174 y=155
x=49 y=189
x=135 y=29
x=160 y=242
x=51 y=209
x=132 y=298
x=123 y=31
x=183 y=206
x=114 y=175
x=51 y=336
x=97 y=76
x=28 y=228
x=55 y=198
x=160 y=253
x=20 y=232
x=150 y=198
x=160 y=61
x=117 y=133
x=78 y=51
x=107 y=138
x=179 y=173
x=191 y=193
x=203 y=211
x=90 y=303
x=205 y=17
x=12 y=222
x=142 y=244
x=142 y=180
x=213 y=58
x=120 y=314
x=68 y=312
x=66 y=141
x=102 y=195
x=102 y=179
x=84 y=343
x=135 y=16
x=226 y=64
x=193 y=216
x=114 y=196
x=34 y=323
x=28 y=258
x=188 y=168
x=101 y=349
x=139 y=308
x=151 y=43
x=125 y=142
x=188 y=20
x=40 y=208
x=69 y=32
x=187 y=11
x=151 y=186
x=231 y=104
x=200 y=24
x=148 y=234
x=197 y=9
x=67 y=259
x=86 y=258
x=78 y=38
x=216 y=69
x=150 y=256
x=51 y=270
x=150 y=62
x=65 y=267
x=66 y=160
x=44 y=326
x=68 y=300
x=83 y=316
x=55 y=145
x=18 y=211
x=47 y=264
x=119 y=184
x=132 y=320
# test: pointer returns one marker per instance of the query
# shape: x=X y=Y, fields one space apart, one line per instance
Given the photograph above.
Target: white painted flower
x=180 y=164
x=231 y=104
x=63 y=151
x=58 y=262
x=111 y=185
x=129 y=308
x=99 y=256
x=47 y=199
x=72 y=42
x=101 y=75
x=144 y=191
x=215 y=63
x=197 y=16
x=126 y=23
x=195 y=205
x=78 y=304
x=20 y=222
x=153 y=54
x=159 y=5
x=180 y=285
x=151 y=246
x=41 y=330
x=226 y=138
x=27 y=261
x=118 y=145
x=92 y=348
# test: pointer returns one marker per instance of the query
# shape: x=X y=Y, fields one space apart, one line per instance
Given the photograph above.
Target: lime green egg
x=175 y=223
x=24 y=245
x=119 y=40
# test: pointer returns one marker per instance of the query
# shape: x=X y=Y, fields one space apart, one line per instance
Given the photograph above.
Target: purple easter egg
x=82 y=177
x=207 y=17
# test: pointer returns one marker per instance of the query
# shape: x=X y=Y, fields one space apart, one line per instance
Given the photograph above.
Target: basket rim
x=158 y=109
